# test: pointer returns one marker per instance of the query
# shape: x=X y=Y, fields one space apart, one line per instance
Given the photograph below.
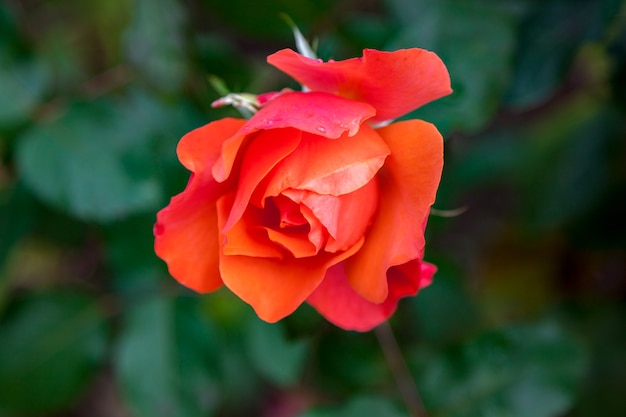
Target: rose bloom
x=310 y=201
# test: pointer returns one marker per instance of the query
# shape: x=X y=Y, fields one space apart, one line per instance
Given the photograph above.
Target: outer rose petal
x=407 y=186
x=314 y=112
x=395 y=83
x=204 y=144
x=335 y=299
x=186 y=235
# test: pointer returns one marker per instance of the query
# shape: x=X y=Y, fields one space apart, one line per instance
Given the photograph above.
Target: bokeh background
x=526 y=317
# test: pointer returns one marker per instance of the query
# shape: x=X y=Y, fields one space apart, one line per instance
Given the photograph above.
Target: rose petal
x=336 y=300
x=333 y=167
x=186 y=235
x=247 y=236
x=407 y=187
x=314 y=112
x=317 y=232
x=290 y=213
x=224 y=165
x=265 y=150
x=204 y=144
x=346 y=217
x=275 y=288
x=395 y=83
x=296 y=243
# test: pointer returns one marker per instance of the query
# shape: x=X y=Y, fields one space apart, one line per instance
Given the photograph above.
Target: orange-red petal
x=332 y=167
x=337 y=301
x=407 y=186
x=199 y=149
x=186 y=235
x=247 y=236
x=275 y=288
x=296 y=243
x=265 y=150
x=346 y=217
x=394 y=83
x=314 y=112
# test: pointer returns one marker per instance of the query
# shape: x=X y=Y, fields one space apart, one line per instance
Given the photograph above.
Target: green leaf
x=278 y=359
x=52 y=344
x=22 y=84
x=570 y=150
x=103 y=160
x=350 y=361
x=16 y=220
x=155 y=44
x=549 y=40
x=262 y=20
x=76 y=163
x=359 y=407
x=16 y=212
x=130 y=255
x=23 y=76
x=442 y=312
x=519 y=371
x=476 y=42
x=164 y=359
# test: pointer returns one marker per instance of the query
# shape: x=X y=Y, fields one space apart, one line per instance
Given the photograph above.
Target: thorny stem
x=400 y=370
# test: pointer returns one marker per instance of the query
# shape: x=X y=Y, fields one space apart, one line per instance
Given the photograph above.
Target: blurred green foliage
x=526 y=316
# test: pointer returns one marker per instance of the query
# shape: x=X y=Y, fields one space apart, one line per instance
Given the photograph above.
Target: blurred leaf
x=22 y=84
x=350 y=361
x=52 y=343
x=155 y=42
x=442 y=312
x=569 y=171
x=164 y=359
x=255 y=20
x=76 y=164
x=475 y=40
x=519 y=371
x=617 y=51
x=129 y=246
x=604 y=325
x=549 y=40
x=278 y=359
x=359 y=407
x=367 y=30
x=23 y=76
x=102 y=160
x=16 y=211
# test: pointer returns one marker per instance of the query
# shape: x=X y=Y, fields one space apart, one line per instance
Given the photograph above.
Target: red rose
x=308 y=200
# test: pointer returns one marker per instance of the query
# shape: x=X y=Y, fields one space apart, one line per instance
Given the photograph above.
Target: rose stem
x=400 y=370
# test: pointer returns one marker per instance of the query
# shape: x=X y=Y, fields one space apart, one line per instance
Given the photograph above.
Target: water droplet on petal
x=321 y=129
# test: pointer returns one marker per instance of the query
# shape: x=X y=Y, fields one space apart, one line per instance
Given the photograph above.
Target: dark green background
x=526 y=317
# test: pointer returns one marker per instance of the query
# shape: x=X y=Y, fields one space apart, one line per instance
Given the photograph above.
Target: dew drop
x=321 y=129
